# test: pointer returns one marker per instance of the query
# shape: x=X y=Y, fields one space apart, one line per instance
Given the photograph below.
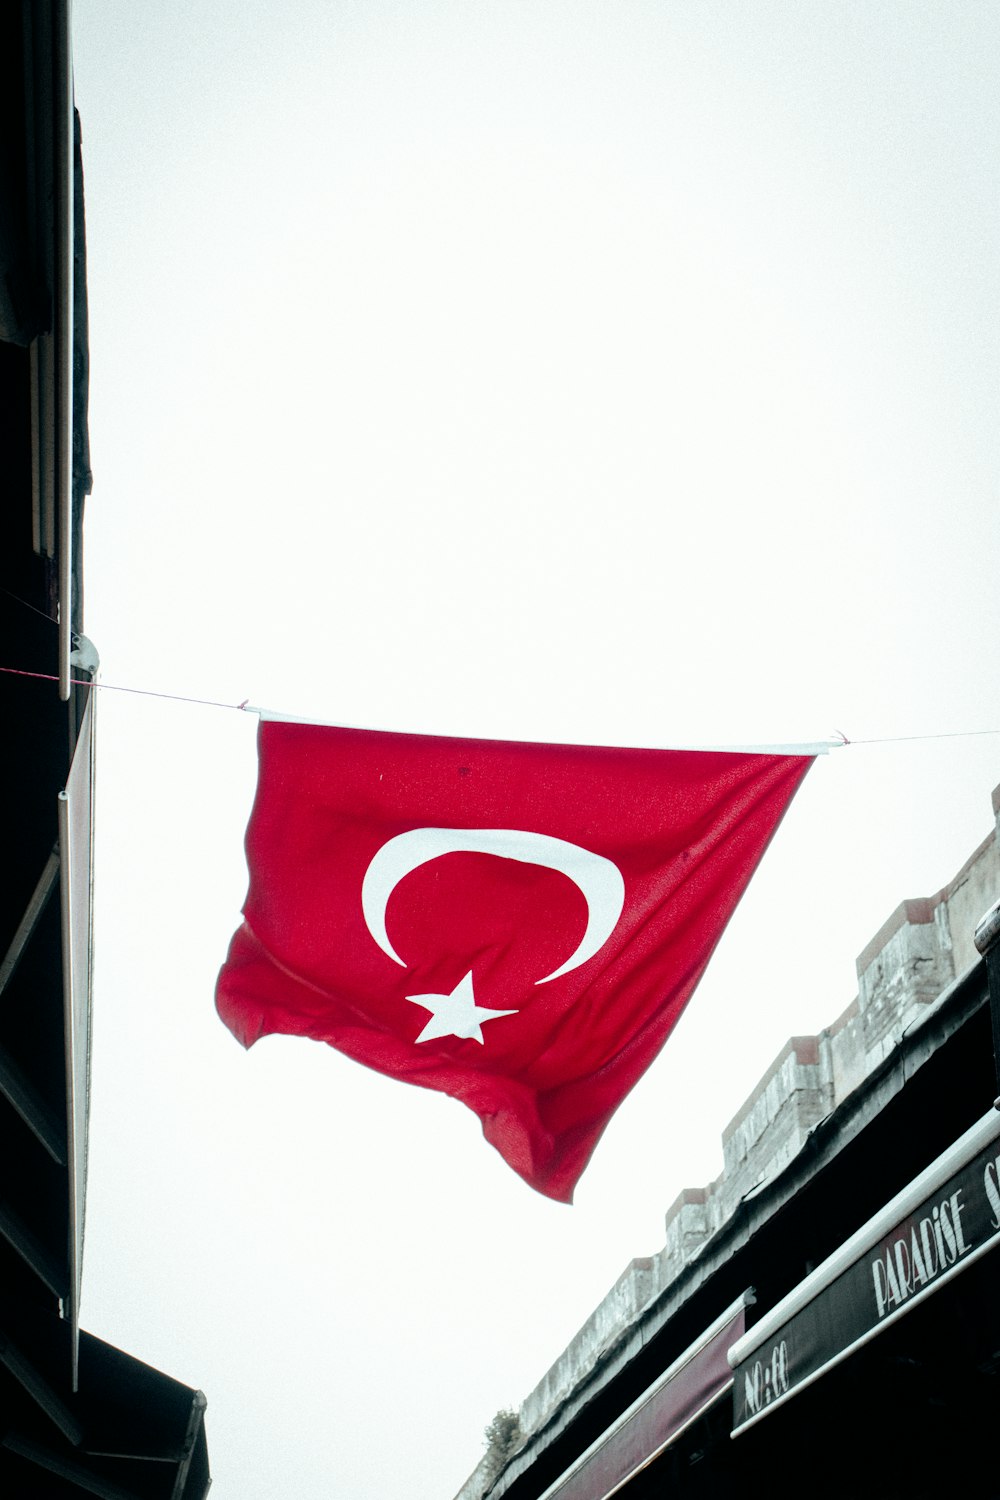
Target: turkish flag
x=517 y=925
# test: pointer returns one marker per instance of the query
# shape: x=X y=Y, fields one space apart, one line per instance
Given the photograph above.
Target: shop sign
x=954 y=1225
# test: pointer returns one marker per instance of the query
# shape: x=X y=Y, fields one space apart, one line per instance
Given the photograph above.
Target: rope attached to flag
x=840 y=740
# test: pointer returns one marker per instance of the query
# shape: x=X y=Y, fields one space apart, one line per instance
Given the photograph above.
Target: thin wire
x=34 y=608
x=902 y=739
x=115 y=687
x=245 y=707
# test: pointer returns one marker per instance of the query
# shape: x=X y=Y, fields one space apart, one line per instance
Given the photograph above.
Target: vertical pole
x=987 y=940
x=64 y=153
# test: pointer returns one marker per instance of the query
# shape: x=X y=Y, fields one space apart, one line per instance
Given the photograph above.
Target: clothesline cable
x=247 y=707
x=115 y=687
x=903 y=739
x=33 y=607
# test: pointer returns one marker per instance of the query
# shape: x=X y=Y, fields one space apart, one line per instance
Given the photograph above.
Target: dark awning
x=128 y=1432
x=944 y=1220
x=660 y=1414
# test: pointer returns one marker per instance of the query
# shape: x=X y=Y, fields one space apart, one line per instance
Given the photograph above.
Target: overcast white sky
x=617 y=372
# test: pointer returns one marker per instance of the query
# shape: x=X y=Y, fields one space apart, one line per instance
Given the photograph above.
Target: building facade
x=824 y=1313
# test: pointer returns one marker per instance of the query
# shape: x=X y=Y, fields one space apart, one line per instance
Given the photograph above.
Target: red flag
x=517 y=925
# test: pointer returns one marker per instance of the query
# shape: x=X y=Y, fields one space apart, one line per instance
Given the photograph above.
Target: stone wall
x=910 y=961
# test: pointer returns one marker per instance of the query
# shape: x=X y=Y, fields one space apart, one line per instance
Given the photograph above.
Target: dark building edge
x=76 y=1415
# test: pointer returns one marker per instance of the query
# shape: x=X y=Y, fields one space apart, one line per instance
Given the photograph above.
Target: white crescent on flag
x=598 y=879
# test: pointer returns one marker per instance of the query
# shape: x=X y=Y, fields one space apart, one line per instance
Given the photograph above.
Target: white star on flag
x=456 y=1014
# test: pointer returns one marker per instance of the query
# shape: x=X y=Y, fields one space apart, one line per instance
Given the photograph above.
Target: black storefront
x=882 y=1364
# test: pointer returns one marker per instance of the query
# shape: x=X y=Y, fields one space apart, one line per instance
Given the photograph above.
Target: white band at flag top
x=815 y=747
